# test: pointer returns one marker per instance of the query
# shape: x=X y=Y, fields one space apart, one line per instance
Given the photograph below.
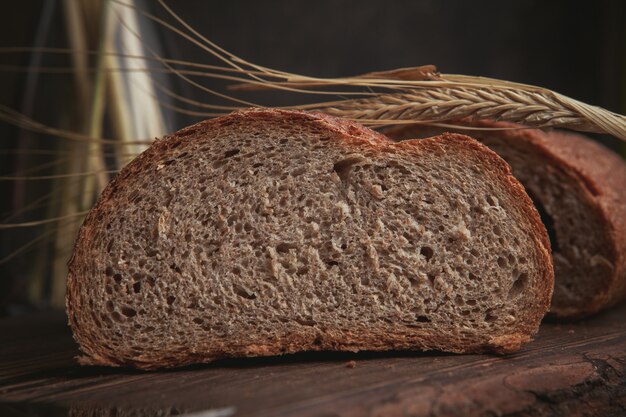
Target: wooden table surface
x=570 y=369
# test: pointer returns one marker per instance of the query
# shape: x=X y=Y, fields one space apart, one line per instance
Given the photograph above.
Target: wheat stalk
x=542 y=108
x=453 y=97
x=420 y=94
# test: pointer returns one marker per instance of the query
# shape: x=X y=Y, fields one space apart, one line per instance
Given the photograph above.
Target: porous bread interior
x=286 y=238
x=577 y=230
x=579 y=239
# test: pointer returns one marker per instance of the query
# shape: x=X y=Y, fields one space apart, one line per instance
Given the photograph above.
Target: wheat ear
x=499 y=100
x=445 y=104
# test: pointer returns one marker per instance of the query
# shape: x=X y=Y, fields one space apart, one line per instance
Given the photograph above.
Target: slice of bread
x=268 y=232
x=579 y=188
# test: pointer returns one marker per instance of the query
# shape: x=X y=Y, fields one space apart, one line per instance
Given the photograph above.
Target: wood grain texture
x=571 y=370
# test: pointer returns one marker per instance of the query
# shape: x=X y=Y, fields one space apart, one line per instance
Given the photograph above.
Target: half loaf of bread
x=268 y=232
x=579 y=187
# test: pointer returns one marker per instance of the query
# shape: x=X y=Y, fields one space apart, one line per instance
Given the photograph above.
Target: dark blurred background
x=573 y=47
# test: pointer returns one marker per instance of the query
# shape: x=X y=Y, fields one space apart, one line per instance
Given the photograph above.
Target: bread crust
x=96 y=352
x=596 y=169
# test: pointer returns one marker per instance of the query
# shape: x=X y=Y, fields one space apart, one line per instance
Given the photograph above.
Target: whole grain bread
x=579 y=187
x=268 y=232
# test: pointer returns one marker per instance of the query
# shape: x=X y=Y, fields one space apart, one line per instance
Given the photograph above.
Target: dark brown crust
x=595 y=168
x=355 y=340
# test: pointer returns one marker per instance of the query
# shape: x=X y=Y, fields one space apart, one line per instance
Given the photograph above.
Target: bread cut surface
x=268 y=232
x=580 y=188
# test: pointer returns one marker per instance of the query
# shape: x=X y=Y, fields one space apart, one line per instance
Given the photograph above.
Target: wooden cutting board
x=570 y=369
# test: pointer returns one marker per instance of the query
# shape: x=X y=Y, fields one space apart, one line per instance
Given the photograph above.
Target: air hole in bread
x=547 y=221
x=502 y=262
x=427 y=252
x=170 y=299
x=232 y=219
x=117 y=278
x=519 y=284
x=490 y=317
x=243 y=292
x=492 y=201
x=306 y=322
x=409 y=237
x=128 y=312
x=168 y=162
x=343 y=167
x=285 y=247
x=331 y=263
x=431 y=279
x=231 y=153
x=137 y=287
x=422 y=319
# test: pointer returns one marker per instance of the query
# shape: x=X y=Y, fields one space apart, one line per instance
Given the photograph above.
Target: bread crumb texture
x=578 y=187
x=269 y=232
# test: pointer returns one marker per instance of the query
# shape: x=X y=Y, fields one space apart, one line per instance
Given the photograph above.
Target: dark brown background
x=575 y=48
